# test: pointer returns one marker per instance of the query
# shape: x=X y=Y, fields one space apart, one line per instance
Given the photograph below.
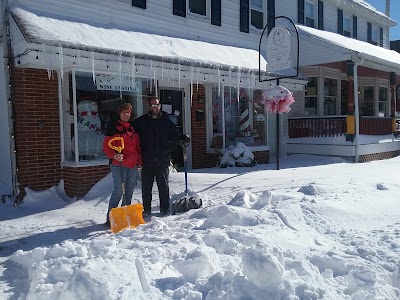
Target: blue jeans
x=130 y=176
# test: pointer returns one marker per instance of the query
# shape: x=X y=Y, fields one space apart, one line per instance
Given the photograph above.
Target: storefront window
x=243 y=117
x=383 y=99
x=367 y=105
x=96 y=108
x=311 y=97
x=330 y=96
x=344 y=97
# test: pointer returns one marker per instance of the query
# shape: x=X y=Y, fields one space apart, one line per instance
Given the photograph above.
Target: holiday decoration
x=90 y=138
x=277 y=99
x=244 y=121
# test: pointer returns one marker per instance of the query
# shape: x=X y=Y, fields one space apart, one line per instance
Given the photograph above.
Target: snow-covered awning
x=52 y=30
x=319 y=47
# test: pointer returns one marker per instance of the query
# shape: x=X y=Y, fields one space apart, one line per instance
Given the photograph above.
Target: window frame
x=374 y=29
x=71 y=120
x=262 y=11
x=197 y=15
x=221 y=106
x=348 y=32
x=314 y=8
x=386 y=101
x=316 y=96
x=334 y=96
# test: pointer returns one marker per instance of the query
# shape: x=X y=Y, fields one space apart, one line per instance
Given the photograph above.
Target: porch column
x=350 y=121
x=392 y=80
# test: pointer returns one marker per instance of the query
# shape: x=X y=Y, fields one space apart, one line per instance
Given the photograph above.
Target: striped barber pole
x=244 y=121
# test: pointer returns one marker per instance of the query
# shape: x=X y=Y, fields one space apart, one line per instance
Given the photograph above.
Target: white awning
x=319 y=47
x=51 y=30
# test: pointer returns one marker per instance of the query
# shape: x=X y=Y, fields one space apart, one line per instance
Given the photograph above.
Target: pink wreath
x=277 y=99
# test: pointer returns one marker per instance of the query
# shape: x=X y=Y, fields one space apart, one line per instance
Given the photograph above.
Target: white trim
x=61 y=117
x=75 y=107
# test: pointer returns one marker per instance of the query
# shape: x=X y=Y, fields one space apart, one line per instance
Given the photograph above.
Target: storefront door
x=172 y=103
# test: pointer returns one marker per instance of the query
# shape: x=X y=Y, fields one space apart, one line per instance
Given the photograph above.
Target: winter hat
x=125 y=106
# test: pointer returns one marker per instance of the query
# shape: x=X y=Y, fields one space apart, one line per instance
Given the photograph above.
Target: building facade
x=68 y=64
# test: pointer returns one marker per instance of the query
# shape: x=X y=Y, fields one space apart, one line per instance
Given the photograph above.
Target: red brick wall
x=78 y=181
x=37 y=137
x=200 y=157
x=261 y=157
x=37 y=130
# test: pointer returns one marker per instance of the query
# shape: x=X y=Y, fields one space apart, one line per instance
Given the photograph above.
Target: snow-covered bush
x=237 y=156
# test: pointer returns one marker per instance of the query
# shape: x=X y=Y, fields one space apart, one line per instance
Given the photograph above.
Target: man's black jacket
x=158 y=138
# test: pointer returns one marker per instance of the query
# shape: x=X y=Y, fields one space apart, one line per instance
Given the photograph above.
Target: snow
x=43 y=28
x=319 y=228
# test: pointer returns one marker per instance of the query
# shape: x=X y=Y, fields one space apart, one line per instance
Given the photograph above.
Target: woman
x=128 y=162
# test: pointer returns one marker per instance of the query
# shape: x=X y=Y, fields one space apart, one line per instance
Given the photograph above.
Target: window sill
x=82 y=164
x=251 y=148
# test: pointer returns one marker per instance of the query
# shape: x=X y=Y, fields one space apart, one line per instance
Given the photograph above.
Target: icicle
x=120 y=74
x=191 y=83
x=238 y=86
x=154 y=79
x=173 y=76
x=197 y=82
x=179 y=75
x=162 y=70
x=93 y=74
x=191 y=94
x=151 y=80
x=61 y=58
x=230 y=76
x=219 y=82
x=249 y=82
x=133 y=73
x=46 y=52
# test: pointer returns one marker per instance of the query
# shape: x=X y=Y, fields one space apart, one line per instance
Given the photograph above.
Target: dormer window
x=309 y=11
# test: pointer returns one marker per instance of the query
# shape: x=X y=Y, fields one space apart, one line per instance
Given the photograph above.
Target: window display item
x=90 y=137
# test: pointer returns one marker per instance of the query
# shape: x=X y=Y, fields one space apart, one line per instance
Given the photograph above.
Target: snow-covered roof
x=41 y=29
x=318 y=47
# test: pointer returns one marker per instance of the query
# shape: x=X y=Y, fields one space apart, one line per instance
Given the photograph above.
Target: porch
x=330 y=136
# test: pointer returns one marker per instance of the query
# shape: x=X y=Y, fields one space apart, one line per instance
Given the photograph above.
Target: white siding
x=157 y=18
x=287 y=8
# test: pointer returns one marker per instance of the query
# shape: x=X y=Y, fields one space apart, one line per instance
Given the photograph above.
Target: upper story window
x=309 y=12
x=257 y=13
x=198 y=7
x=208 y=9
x=374 y=35
x=346 y=26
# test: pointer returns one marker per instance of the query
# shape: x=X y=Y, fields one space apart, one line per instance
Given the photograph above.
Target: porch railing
x=376 y=126
x=336 y=126
x=316 y=127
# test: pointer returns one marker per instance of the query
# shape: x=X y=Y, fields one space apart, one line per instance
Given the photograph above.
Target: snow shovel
x=187 y=202
x=126 y=215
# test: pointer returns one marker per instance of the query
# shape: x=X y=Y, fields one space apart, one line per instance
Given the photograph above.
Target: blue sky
x=394 y=14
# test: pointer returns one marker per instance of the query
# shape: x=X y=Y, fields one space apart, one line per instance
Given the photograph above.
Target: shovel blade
x=134 y=215
x=118 y=220
x=124 y=217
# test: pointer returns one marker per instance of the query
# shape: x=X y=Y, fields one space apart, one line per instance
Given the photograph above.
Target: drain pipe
x=357 y=60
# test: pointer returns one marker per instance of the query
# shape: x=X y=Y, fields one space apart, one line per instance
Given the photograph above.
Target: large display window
x=90 y=105
x=236 y=116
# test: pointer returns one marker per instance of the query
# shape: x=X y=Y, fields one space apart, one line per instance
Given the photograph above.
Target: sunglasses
x=154 y=105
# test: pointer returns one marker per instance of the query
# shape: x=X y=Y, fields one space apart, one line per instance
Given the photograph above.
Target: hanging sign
x=278 y=49
x=106 y=82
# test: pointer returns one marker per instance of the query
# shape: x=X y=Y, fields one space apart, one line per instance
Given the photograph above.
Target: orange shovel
x=126 y=215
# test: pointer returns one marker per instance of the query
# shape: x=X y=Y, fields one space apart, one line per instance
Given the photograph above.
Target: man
x=158 y=137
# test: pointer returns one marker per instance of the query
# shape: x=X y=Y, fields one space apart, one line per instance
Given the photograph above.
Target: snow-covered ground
x=319 y=228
